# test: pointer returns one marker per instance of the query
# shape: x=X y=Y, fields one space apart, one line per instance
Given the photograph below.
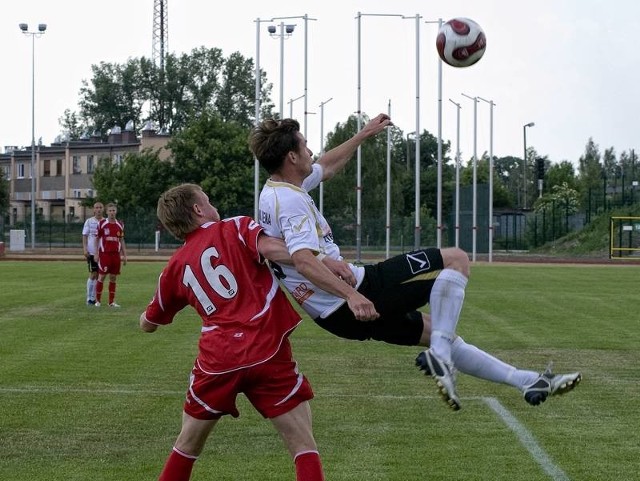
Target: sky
x=570 y=66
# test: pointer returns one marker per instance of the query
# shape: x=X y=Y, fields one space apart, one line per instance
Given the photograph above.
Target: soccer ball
x=461 y=42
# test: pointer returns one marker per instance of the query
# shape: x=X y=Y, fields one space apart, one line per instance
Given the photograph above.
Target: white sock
x=445 y=304
x=93 y=289
x=89 y=287
x=470 y=360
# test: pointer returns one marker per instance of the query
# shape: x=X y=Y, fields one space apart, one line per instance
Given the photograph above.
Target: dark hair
x=272 y=140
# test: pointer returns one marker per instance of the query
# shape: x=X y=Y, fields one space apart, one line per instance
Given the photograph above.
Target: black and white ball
x=461 y=42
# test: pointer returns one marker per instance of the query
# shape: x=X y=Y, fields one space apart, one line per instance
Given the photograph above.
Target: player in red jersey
x=112 y=252
x=246 y=321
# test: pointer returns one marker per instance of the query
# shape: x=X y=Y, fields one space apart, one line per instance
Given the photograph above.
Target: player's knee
x=456 y=259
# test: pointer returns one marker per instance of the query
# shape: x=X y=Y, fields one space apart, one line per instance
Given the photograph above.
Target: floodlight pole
x=491 y=105
x=458 y=107
x=258 y=93
x=475 y=176
x=359 y=149
x=42 y=27
x=321 y=193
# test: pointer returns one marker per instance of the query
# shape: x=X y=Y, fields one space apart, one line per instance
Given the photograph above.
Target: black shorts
x=92 y=264
x=398 y=287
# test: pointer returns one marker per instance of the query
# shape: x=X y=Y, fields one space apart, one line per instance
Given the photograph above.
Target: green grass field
x=85 y=395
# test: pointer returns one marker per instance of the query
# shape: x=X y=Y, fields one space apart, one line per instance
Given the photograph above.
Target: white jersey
x=288 y=212
x=90 y=229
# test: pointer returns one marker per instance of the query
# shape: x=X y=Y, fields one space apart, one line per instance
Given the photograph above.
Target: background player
x=89 y=233
x=112 y=253
x=246 y=322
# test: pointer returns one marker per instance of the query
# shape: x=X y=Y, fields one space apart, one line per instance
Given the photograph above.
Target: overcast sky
x=570 y=66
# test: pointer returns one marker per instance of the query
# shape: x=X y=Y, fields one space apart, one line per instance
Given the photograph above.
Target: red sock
x=99 y=287
x=112 y=291
x=308 y=466
x=178 y=467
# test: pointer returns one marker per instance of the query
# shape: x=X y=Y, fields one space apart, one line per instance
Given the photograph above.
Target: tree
x=590 y=170
x=135 y=184
x=115 y=95
x=216 y=155
x=203 y=80
x=4 y=196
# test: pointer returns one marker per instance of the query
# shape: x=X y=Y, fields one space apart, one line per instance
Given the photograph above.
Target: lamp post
x=321 y=193
x=258 y=92
x=359 y=150
x=439 y=181
x=458 y=107
x=475 y=175
x=524 y=165
x=290 y=102
x=491 y=105
x=25 y=30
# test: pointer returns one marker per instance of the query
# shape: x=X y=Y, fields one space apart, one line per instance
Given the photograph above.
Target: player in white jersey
x=387 y=294
x=89 y=250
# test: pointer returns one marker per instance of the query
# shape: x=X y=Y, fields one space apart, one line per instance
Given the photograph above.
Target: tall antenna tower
x=160 y=32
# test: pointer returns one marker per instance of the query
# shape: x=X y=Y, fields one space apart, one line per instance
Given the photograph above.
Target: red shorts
x=109 y=263
x=274 y=387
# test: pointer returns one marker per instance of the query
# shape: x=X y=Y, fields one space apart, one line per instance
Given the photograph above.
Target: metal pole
x=359 y=150
x=258 y=100
x=321 y=195
x=439 y=188
x=491 y=105
x=475 y=176
x=418 y=225
x=306 y=71
x=388 y=223
x=457 y=196
x=524 y=169
x=33 y=141
x=281 y=70
x=290 y=102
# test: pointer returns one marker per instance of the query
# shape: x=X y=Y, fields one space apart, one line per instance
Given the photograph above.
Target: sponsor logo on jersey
x=298 y=222
x=265 y=217
x=418 y=262
x=302 y=292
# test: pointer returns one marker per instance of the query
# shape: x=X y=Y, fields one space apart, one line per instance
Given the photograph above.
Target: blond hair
x=175 y=209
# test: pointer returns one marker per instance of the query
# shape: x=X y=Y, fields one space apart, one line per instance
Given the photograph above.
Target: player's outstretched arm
x=334 y=160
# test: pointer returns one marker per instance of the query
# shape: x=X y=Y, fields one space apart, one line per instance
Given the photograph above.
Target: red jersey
x=110 y=235
x=219 y=272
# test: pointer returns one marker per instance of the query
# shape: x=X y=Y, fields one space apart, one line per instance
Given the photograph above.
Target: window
x=76 y=165
x=58 y=167
x=6 y=172
x=47 y=168
x=117 y=159
x=90 y=164
x=20 y=168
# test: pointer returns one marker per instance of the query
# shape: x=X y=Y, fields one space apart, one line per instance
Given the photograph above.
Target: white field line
x=523 y=434
x=527 y=440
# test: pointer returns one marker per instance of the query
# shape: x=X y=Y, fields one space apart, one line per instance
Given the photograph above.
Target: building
x=64 y=171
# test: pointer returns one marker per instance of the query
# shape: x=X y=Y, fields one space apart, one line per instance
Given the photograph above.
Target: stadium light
x=25 y=30
x=258 y=94
x=524 y=165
